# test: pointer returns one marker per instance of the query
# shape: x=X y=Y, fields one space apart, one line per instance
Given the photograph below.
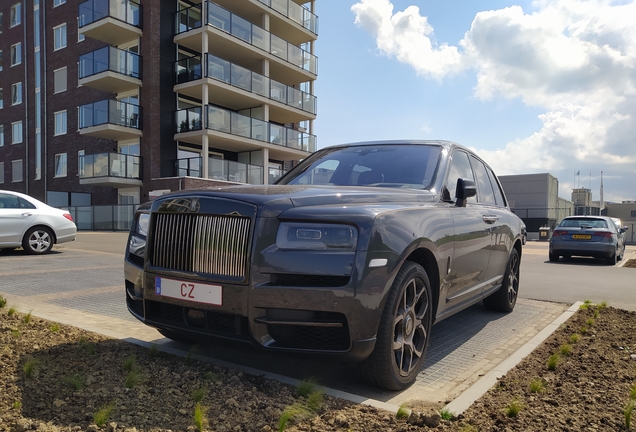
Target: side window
x=499 y=196
x=460 y=168
x=485 y=192
x=25 y=204
x=9 y=201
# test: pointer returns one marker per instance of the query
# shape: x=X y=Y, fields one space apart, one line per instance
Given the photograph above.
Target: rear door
x=16 y=215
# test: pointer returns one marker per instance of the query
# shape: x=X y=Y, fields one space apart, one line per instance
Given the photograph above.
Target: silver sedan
x=592 y=236
x=27 y=222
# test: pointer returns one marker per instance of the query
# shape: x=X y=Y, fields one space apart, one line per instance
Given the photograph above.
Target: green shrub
x=11 y=311
x=55 y=328
x=566 y=349
x=26 y=318
x=75 y=381
x=132 y=378
x=446 y=414
x=101 y=416
x=575 y=338
x=296 y=411
x=3 y=302
x=200 y=420
x=306 y=387
x=130 y=363
x=513 y=408
x=314 y=400
x=536 y=385
x=199 y=394
x=403 y=412
x=30 y=367
x=553 y=361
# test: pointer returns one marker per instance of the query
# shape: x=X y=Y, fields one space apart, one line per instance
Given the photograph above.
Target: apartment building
x=114 y=101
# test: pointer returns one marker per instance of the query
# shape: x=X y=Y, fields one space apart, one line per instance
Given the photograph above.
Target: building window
x=1 y=98
x=16 y=132
x=80 y=163
x=633 y=213
x=16 y=93
x=1 y=172
x=16 y=15
x=59 y=36
x=1 y=136
x=60 y=123
x=59 y=80
x=58 y=2
x=16 y=170
x=0 y=54
x=0 y=22
x=16 y=54
x=60 y=165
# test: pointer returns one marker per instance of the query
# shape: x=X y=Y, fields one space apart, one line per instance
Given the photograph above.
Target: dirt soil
x=630 y=263
x=57 y=378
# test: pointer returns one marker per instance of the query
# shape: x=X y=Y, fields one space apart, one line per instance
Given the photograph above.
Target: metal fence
x=103 y=218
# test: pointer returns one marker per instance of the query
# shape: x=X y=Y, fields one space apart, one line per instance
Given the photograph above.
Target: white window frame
x=55 y=91
x=15 y=51
x=63 y=125
x=61 y=158
x=57 y=3
x=1 y=135
x=13 y=170
x=1 y=172
x=18 y=100
x=62 y=46
x=14 y=125
x=81 y=163
x=16 y=15
x=1 y=98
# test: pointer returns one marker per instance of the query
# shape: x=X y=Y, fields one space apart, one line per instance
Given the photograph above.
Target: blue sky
x=544 y=86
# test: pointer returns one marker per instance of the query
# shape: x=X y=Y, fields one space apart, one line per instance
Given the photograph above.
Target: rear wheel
x=404 y=331
x=505 y=298
x=38 y=240
x=553 y=257
x=611 y=260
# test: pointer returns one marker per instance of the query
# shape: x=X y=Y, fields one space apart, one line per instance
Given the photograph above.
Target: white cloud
x=574 y=58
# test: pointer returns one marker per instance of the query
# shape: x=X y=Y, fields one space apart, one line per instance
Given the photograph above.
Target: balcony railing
x=110 y=59
x=110 y=165
x=127 y=11
x=190 y=69
x=295 y=12
x=221 y=169
x=274 y=174
x=230 y=122
x=110 y=111
x=190 y=19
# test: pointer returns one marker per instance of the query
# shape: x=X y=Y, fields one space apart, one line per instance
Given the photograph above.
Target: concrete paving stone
x=109 y=304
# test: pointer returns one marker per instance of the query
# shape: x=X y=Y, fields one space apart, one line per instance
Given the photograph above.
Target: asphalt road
x=577 y=279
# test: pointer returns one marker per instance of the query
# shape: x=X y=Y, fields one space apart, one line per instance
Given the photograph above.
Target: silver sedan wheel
x=38 y=241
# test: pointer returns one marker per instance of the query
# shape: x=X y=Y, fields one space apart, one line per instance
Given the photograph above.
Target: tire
x=505 y=298
x=177 y=336
x=553 y=257
x=38 y=240
x=612 y=260
x=404 y=331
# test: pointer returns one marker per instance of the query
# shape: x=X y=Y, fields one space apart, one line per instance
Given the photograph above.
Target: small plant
x=200 y=420
x=82 y=339
x=446 y=414
x=30 y=367
x=130 y=363
x=153 y=351
x=629 y=408
x=199 y=394
x=101 y=416
x=89 y=347
x=27 y=318
x=590 y=322
x=468 y=428
x=553 y=361
x=314 y=400
x=55 y=327
x=295 y=411
x=3 y=302
x=513 y=408
x=586 y=305
x=75 y=381
x=632 y=393
x=601 y=305
x=132 y=378
x=209 y=376
x=403 y=412
x=583 y=330
x=596 y=313
x=15 y=333
x=575 y=338
x=11 y=311
x=536 y=385
x=17 y=405
x=566 y=349
x=306 y=387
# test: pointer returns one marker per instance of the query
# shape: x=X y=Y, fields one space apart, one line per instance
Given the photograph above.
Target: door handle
x=26 y=214
x=491 y=219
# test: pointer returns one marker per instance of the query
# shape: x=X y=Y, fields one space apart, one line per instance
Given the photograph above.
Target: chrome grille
x=211 y=244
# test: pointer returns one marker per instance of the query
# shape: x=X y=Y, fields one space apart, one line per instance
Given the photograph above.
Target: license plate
x=190 y=291
x=581 y=236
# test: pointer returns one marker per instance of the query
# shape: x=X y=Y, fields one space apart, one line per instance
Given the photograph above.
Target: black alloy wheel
x=505 y=298
x=404 y=331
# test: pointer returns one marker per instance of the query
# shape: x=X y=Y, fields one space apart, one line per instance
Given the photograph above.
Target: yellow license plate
x=581 y=236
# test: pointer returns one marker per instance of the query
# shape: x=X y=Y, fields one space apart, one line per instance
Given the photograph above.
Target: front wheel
x=505 y=298
x=38 y=240
x=404 y=331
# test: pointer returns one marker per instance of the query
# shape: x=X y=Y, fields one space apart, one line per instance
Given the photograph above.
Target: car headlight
x=137 y=243
x=142 y=224
x=315 y=236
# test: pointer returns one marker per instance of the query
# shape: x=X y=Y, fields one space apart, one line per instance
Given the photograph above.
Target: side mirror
x=465 y=189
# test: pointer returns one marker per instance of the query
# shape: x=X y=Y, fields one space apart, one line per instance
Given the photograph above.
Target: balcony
x=110 y=119
x=110 y=21
x=236 y=39
x=238 y=88
x=236 y=132
x=110 y=169
x=221 y=169
x=287 y=19
x=110 y=69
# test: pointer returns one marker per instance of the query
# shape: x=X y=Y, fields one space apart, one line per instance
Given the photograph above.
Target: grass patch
x=209 y=376
x=132 y=378
x=575 y=338
x=199 y=394
x=83 y=340
x=200 y=420
x=17 y=405
x=632 y=392
x=536 y=385
x=30 y=368
x=314 y=400
x=513 y=408
x=583 y=330
x=586 y=304
x=306 y=387
x=15 y=333
x=629 y=408
x=590 y=322
x=469 y=428
x=130 y=364
x=55 y=328
x=3 y=302
x=75 y=381
x=553 y=361
x=446 y=414
x=27 y=318
x=153 y=351
x=102 y=415
x=566 y=349
x=293 y=412
x=11 y=311
x=403 y=412
x=601 y=305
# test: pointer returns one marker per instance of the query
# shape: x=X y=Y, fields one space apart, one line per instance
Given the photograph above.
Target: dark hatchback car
x=357 y=251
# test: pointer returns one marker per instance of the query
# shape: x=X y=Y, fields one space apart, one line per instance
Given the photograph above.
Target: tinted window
x=499 y=196
x=484 y=192
x=390 y=165
x=9 y=201
x=584 y=222
x=25 y=204
x=460 y=168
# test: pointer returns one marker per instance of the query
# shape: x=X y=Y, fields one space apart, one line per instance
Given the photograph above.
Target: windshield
x=402 y=166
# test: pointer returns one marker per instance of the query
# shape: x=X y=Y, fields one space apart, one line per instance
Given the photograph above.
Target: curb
x=485 y=383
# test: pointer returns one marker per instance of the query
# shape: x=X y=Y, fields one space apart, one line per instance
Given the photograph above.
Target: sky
x=531 y=86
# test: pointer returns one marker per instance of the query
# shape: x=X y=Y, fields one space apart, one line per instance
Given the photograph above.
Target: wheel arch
x=41 y=225
x=426 y=259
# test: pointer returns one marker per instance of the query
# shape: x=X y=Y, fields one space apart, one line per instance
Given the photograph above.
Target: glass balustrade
x=110 y=165
x=189 y=167
x=295 y=12
x=110 y=59
x=187 y=120
x=188 y=19
x=127 y=11
x=110 y=111
x=274 y=174
x=221 y=169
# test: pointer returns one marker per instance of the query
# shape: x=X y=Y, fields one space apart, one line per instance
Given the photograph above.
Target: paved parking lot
x=82 y=284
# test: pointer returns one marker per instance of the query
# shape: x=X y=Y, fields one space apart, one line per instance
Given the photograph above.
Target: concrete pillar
x=205 y=148
x=265 y=166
